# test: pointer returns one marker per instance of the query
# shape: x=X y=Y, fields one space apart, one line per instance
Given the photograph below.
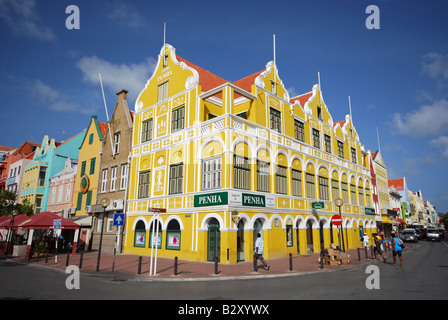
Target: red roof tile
x=302 y=98
x=207 y=80
x=247 y=82
x=397 y=183
x=341 y=123
x=103 y=127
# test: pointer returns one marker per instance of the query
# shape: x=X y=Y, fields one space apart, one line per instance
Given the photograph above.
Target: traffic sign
x=336 y=220
x=118 y=219
x=318 y=205
x=57 y=224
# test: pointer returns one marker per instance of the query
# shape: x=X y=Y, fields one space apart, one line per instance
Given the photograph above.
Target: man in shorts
x=377 y=247
x=397 y=249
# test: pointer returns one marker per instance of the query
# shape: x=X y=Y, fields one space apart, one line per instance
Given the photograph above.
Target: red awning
x=401 y=221
x=5 y=221
x=44 y=220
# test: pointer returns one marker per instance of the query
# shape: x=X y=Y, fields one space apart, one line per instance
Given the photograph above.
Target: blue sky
x=397 y=76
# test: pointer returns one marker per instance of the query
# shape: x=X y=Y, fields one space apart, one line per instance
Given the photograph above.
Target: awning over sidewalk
x=5 y=221
x=44 y=220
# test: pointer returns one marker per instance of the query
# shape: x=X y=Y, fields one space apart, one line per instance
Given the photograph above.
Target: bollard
x=359 y=254
x=371 y=252
x=365 y=249
x=321 y=260
x=46 y=257
x=68 y=259
x=38 y=254
x=290 y=262
x=216 y=265
x=255 y=263
x=80 y=260
x=175 y=266
x=140 y=265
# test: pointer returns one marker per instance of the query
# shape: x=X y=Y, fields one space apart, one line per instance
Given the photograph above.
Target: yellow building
x=230 y=160
x=86 y=183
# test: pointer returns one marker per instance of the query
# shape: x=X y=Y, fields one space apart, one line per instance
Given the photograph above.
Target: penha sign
x=234 y=198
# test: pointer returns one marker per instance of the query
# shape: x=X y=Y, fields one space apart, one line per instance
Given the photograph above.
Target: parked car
x=433 y=235
x=409 y=235
x=419 y=234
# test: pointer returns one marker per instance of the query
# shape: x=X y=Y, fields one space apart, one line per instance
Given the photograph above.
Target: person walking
x=377 y=248
x=397 y=248
x=365 y=239
x=259 y=250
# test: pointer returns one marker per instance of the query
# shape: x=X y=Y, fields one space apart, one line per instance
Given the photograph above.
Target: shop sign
x=211 y=199
x=369 y=211
x=318 y=205
x=253 y=200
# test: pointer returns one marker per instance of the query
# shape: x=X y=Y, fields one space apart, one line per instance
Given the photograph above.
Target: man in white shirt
x=259 y=244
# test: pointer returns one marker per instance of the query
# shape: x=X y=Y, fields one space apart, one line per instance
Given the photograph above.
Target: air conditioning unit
x=72 y=210
x=89 y=209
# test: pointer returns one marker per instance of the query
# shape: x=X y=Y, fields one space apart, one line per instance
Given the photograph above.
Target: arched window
x=158 y=233
x=173 y=235
x=140 y=234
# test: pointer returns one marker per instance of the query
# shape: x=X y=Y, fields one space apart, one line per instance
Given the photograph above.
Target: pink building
x=62 y=185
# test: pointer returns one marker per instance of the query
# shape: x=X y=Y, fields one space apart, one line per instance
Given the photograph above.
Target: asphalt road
x=424 y=276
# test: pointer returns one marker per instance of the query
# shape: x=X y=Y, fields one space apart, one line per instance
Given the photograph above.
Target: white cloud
x=22 y=18
x=428 y=120
x=115 y=77
x=435 y=65
x=54 y=100
x=442 y=143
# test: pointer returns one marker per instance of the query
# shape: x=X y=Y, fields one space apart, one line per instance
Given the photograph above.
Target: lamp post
x=104 y=203
x=339 y=202
x=8 y=243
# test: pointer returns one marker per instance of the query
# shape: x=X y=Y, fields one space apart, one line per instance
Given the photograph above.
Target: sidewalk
x=127 y=266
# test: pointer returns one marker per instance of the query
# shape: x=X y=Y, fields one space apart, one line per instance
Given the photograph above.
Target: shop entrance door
x=214 y=240
x=240 y=241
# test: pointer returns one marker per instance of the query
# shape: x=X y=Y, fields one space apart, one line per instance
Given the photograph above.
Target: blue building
x=48 y=160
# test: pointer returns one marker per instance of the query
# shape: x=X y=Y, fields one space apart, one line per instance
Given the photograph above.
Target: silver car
x=433 y=235
x=409 y=235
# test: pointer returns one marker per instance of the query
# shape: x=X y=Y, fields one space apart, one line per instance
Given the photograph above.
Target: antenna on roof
x=107 y=116
x=320 y=89
x=275 y=62
x=164 y=35
x=350 y=107
x=378 y=137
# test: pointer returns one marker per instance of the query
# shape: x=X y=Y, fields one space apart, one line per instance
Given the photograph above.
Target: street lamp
x=8 y=243
x=339 y=203
x=104 y=203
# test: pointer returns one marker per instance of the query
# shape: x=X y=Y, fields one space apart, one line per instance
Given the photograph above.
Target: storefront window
x=173 y=235
x=140 y=235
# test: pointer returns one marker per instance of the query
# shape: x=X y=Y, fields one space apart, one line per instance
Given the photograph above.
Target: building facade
x=214 y=163
x=48 y=160
x=17 y=162
x=114 y=172
x=62 y=186
x=87 y=175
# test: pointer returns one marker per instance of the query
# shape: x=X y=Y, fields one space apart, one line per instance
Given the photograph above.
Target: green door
x=214 y=240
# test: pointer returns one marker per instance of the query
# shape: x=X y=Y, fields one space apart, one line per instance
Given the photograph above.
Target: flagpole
x=350 y=107
x=107 y=116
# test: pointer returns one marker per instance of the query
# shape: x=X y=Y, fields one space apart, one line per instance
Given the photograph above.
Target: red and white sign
x=336 y=220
